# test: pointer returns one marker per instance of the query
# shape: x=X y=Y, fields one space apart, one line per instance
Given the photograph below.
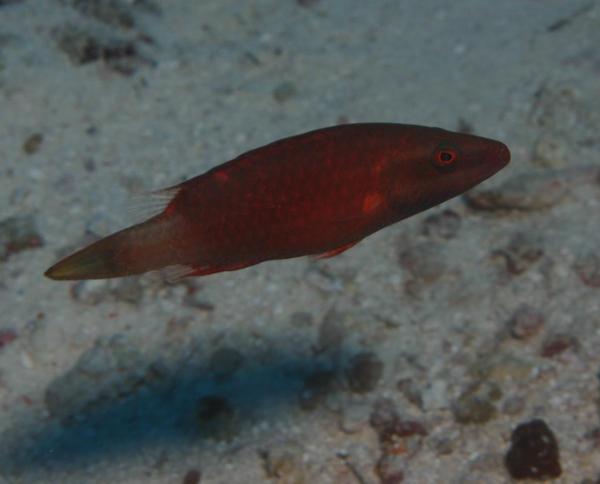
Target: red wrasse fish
x=317 y=193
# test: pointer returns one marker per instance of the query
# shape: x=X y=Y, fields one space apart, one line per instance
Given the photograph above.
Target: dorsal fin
x=146 y=205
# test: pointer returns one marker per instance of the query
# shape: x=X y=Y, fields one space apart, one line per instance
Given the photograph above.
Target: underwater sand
x=410 y=358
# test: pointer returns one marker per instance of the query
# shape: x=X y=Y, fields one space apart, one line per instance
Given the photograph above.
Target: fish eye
x=444 y=158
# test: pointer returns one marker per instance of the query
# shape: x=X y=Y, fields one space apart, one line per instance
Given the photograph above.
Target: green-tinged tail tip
x=85 y=264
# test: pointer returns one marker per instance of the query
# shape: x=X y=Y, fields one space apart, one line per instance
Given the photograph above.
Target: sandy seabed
x=410 y=358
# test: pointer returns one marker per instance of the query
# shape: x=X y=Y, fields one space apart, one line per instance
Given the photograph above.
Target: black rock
x=533 y=453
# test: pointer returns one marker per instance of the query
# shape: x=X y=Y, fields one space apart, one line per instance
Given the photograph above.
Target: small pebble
x=550 y=151
x=525 y=322
x=587 y=267
x=528 y=192
x=533 y=453
x=7 y=336
x=522 y=251
x=503 y=368
x=443 y=445
x=90 y=292
x=425 y=261
x=411 y=391
x=83 y=47
x=32 y=143
x=285 y=466
x=395 y=433
x=390 y=469
x=331 y=331
x=17 y=234
x=193 y=476
x=45 y=339
x=197 y=300
x=384 y=411
x=557 y=344
x=557 y=107
x=514 y=405
x=284 y=92
x=128 y=289
x=323 y=279
x=354 y=417
x=444 y=225
x=476 y=405
x=364 y=372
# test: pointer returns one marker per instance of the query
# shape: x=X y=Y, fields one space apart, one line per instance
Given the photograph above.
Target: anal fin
x=336 y=251
x=177 y=272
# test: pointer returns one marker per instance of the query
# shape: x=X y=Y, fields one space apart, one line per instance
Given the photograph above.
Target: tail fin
x=135 y=250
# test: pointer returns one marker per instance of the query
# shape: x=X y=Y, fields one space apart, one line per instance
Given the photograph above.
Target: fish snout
x=503 y=154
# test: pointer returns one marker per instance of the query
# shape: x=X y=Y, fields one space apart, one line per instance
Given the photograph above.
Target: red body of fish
x=316 y=193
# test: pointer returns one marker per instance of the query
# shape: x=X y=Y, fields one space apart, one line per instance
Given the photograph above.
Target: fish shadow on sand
x=162 y=407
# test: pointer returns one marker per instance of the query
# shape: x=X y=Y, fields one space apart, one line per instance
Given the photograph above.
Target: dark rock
x=217 y=418
x=533 y=453
x=32 y=144
x=364 y=372
x=557 y=344
x=193 y=476
x=18 y=233
x=315 y=388
x=7 y=336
